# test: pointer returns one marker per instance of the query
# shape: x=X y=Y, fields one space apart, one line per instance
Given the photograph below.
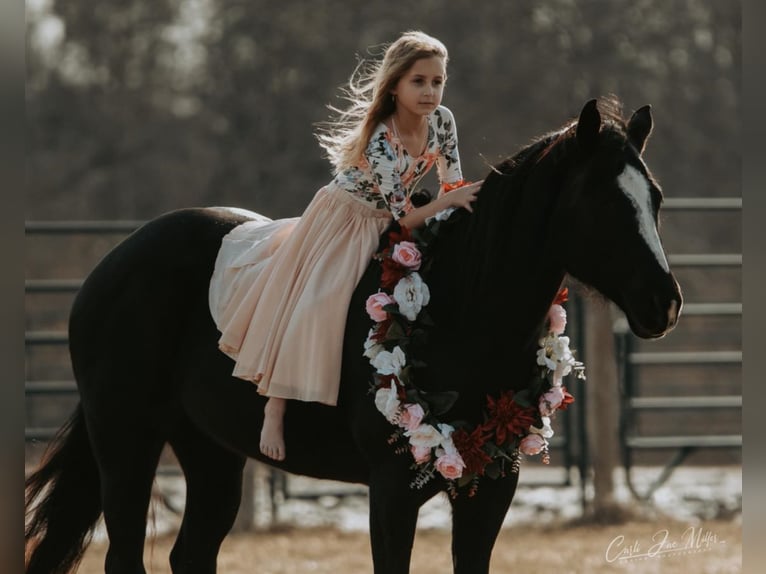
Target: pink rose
x=421 y=454
x=557 y=317
x=424 y=436
x=450 y=465
x=411 y=416
x=407 y=254
x=375 y=304
x=551 y=400
x=532 y=444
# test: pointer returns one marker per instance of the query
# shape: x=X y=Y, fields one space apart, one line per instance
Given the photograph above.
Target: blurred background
x=135 y=108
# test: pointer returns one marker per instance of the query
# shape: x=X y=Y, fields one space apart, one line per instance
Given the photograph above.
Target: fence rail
x=702 y=204
x=85 y=226
x=52 y=285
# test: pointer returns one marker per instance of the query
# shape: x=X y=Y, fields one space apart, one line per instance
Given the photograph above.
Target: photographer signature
x=692 y=540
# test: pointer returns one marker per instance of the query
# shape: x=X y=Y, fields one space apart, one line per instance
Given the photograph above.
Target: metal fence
x=571 y=441
x=630 y=360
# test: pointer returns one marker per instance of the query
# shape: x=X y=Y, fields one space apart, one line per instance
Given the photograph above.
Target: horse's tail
x=63 y=502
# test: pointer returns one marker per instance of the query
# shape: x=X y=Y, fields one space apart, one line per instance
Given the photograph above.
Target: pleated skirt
x=281 y=289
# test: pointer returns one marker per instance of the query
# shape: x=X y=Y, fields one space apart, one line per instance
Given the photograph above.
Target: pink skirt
x=281 y=289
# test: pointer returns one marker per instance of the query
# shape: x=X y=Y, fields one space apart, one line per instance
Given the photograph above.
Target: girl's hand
x=459 y=197
x=463 y=196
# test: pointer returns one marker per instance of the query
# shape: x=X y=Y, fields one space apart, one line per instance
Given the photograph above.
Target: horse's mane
x=512 y=213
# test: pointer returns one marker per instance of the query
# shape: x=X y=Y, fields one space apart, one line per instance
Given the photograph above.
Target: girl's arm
x=450 y=174
x=460 y=197
x=383 y=162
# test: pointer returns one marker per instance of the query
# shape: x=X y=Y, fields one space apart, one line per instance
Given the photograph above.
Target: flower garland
x=515 y=422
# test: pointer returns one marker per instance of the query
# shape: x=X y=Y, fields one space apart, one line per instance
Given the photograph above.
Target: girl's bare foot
x=272 y=434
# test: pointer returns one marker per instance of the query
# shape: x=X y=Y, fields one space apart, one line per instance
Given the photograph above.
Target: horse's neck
x=494 y=339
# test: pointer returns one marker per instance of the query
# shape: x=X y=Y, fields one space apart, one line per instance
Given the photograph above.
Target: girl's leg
x=272 y=434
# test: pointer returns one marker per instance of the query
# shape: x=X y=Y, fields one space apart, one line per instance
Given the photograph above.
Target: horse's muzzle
x=654 y=316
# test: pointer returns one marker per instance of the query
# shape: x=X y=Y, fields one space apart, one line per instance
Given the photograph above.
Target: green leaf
x=523 y=398
x=440 y=402
x=492 y=450
x=492 y=470
x=424 y=318
x=464 y=480
x=413 y=396
x=419 y=336
x=395 y=331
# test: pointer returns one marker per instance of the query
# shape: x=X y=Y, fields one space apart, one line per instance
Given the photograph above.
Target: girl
x=281 y=289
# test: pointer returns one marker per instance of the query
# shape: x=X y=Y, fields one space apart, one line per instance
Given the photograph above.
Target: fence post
x=602 y=407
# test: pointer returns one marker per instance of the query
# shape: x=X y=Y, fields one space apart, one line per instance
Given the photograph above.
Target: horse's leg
x=127 y=462
x=213 y=492
x=394 y=507
x=476 y=522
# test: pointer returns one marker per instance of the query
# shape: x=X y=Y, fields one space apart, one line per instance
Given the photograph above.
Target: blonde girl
x=281 y=289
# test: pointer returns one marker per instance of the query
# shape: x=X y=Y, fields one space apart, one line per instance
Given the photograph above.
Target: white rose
x=562 y=370
x=447 y=444
x=424 y=436
x=411 y=294
x=372 y=347
x=389 y=362
x=560 y=350
x=546 y=431
x=387 y=402
x=442 y=215
x=543 y=360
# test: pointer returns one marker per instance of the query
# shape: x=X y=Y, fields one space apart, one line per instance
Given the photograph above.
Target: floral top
x=388 y=174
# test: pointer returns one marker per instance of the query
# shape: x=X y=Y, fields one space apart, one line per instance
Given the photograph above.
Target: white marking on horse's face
x=636 y=188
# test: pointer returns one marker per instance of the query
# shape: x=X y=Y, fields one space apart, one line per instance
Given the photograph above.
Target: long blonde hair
x=369 y=96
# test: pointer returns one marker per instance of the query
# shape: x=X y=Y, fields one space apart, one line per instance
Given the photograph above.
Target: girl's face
x=420 y=90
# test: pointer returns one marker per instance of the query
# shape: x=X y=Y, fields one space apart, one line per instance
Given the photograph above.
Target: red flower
x=562 y=296
x=403 y=234
x=469 y=447
x=381 y=329
x=507 y=418
x=447 y=187
x=568 y=399
x=392 y=272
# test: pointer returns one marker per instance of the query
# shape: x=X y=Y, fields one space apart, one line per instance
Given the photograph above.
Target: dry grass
x=563 y=550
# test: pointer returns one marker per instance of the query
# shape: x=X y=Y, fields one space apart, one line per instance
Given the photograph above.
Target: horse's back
x=143 y=342
x=138 y=300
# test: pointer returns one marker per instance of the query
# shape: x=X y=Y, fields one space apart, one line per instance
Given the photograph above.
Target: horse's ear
x=639 y=127
x=588 y=125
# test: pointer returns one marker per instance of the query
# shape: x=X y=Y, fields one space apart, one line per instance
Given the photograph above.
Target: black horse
x=143 y=345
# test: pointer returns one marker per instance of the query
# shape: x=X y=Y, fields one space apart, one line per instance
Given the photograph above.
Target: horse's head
x=609 y=214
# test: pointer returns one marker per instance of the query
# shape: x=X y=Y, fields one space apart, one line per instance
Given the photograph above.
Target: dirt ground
x=708 y=547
